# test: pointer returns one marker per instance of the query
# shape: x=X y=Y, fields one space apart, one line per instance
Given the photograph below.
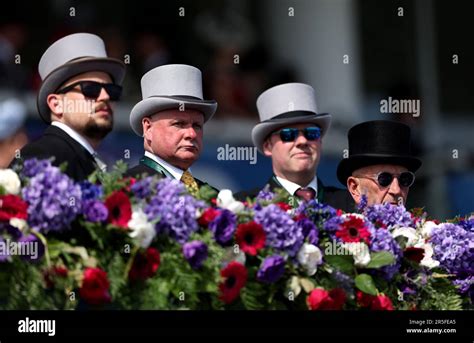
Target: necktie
x=190 y=183
x=100 y=164
x=305 y=194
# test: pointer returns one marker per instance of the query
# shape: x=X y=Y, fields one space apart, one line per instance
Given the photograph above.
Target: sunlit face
x=91 y=118
x=175 y=136
x=290 y=158
x=364 y=181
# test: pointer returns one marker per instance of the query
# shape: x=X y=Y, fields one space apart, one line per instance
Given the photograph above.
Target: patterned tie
x=190 y=183
x=100 y=164
x=305 y=194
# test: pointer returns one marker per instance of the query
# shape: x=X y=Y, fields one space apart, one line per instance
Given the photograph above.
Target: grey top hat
x=285 y=104
x=69 y=56
x=167 y=87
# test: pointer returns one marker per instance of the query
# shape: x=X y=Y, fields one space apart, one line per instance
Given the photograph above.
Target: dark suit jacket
x=58 y=144
x=335 y=197
x=141 y=169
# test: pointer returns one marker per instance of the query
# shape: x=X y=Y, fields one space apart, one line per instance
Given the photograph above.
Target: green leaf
x=366 y=284
x=206 y=193
x=380 y=259
x=345 y=263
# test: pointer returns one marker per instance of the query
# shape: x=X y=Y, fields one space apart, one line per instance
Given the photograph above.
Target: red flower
x=414 y=254
x=353 y=230
x=320 y=299
x=95 y=287
x=379 y=302
x=364 y=299
x=382 y=302
x=339 y=212
x=284 y=206
x=120 y=209
x=145 y=265
x=299 y=217
x=250 y=237
x=235 y=277
x=208 y=216
x=12 y=206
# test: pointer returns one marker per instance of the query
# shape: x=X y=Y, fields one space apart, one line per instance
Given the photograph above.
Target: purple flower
x=382 y=240
x=271 y=269
x=388 y=215
x=453 y=247
x=174 y=209
x=143 y=188
x=95 y=211
x=90 y=191
x=317 y=212
x=54 y=200
x=4 y=253
x=31 y=248
x=282 y=232
x=309 y=230
x=11 y=231
x=265 y=194
x=195 y=253
x=223 y=227
x=32 y=167
x=465 y=285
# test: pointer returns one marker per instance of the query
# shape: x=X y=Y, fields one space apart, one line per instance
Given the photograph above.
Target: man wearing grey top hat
x=79 y=85
x=290 y=133
x=170 y=118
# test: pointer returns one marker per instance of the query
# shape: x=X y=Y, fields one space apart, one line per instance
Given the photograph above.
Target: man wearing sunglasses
x=290 y=133
x=79 y=86
x=380 y=165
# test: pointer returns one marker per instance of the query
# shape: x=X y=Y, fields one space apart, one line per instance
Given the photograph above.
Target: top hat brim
x=114 y=67
x=155 y=104
x=348 y=165
x=261 y=131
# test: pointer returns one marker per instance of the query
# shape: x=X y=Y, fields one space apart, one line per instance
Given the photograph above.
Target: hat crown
x=70 y=48
x=379 y=137
x=288 y=97
x=173 y=80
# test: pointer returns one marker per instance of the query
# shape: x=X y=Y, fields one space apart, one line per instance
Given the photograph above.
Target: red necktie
x=305 y=194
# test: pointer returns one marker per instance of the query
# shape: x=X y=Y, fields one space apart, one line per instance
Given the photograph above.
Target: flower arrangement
x=121 y=243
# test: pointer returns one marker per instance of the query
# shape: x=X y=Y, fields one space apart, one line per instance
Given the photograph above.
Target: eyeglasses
x=384 y=179
x=289 y=134
x=92 y=89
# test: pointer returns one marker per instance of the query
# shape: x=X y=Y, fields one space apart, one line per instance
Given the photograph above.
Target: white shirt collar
x=174 y=171
x=74 y=135
x=292 y=187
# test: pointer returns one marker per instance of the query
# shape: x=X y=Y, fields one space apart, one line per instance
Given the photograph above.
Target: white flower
x=10 y=181
x=409 y=233
x=310 y=257
x=294 y=285
x=360 y=252
x=225 y=199
x=20 y=224
x=428 y=260
x=427 y=228
x=141 y=229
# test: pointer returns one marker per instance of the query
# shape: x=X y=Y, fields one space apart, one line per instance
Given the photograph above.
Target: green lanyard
x=155 y=166
x=320 y=189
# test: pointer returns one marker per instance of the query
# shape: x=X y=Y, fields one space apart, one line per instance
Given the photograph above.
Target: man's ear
x=267 y=147
x=146 y=125
x=55 y=105
x=353 y=186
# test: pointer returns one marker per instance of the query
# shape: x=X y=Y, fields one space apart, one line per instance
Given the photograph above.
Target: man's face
x=298 y=156
x=364 y=181
x=93 y=118
x=175 y=136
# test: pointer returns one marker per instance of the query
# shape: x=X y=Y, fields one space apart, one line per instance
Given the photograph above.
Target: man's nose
x=103 y=96
x=395 y=187
x=301 y=139
x=190 y=132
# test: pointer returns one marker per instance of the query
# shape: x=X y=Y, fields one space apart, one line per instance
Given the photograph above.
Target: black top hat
x=377 y=142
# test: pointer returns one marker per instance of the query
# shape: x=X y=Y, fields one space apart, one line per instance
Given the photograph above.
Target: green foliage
x=366 y=284
x=380 y=259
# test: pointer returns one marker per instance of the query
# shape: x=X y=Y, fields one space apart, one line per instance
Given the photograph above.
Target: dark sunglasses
x=384 y=179
x=289 y=134
x=92 y=89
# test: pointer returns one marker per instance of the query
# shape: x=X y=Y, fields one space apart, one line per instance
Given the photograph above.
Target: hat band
x=184 y=97
x=291 y=114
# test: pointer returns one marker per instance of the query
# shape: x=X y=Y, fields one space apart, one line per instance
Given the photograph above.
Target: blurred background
x=355 y=53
